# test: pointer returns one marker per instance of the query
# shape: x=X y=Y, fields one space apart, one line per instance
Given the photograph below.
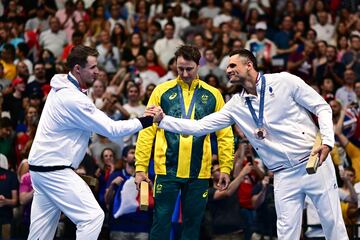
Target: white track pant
x=291 y=186
x=63 y=191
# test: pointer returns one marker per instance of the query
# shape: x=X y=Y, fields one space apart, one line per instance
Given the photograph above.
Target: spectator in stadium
x=25 y=131
x=165 y=47
x=209 y=10
x=97 y=22
x=40 y=22
x=133 y=48
x=7 y=60
x=351 y=58
x=9 y=186
x=142 y=76
x=107 y=159
x=125 y=222
x=244 y=155
x=22 y=51
x=223 y=206
x=346 y=94
x=115 y=17
x=68 y=18
x=263 y=48
x=153 y=62
x=26 y=193
x=53 y=39
x=171 y=73
x=135 y=109
x=331 y=68
x=77 y=38
x=300 y=63
x=320 y=52
x=118 y=36
x=211 y=67
x=325 y=31
x=327 y=88
x=263 y=201
x=22 y=71
x=38 y=81
x=109 y=55
x=13 y=102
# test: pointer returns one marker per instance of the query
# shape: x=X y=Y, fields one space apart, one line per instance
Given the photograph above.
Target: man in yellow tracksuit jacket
x=183 y=163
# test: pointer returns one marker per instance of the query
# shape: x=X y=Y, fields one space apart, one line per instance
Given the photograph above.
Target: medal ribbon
x=182 y=103
x=258 y=121
x=73 y=81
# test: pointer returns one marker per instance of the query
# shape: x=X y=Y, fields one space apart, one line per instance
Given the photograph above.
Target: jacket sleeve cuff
x=329 y=144
x=146 y=121
x=225 y=170
x=140 y=168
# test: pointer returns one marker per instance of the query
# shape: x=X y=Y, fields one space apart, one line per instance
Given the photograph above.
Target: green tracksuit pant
x=193 y=202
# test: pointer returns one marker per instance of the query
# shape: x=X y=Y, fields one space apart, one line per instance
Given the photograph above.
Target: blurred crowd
x=317 y=40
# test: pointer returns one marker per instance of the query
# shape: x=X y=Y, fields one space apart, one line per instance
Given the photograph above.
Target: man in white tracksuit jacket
x=273 y=112
x=60 y=143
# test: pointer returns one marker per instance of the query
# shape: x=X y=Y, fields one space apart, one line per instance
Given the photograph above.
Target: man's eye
x=186 y=69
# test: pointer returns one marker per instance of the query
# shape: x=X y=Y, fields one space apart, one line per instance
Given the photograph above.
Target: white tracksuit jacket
x=290 y=129
x=66 y=124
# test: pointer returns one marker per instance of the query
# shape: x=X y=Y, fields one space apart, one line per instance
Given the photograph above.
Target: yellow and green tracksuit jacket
x=184 y=156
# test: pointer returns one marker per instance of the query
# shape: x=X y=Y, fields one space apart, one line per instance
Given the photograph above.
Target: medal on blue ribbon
x=182 y=104
x=260 y=131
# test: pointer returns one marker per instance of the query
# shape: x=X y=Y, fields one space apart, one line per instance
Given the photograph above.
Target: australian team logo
x=205 y=194
x=204 y=98
x=172 y=96
x=158 y=188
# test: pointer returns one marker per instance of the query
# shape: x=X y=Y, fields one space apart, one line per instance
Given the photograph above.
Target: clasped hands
x=156 y=112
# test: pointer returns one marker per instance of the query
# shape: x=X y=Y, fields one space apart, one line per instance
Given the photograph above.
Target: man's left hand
x=224 y=181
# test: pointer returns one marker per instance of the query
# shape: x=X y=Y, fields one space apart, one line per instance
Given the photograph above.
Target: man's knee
x=98 y=216
x=95 y=219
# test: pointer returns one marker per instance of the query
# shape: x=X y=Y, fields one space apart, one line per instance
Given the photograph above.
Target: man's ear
x=249 y=65
x=77 y=68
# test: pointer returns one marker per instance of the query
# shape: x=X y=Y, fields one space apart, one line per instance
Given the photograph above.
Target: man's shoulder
x=280 y=77
x=75 y=100
x=45 y=32
x=160 y=40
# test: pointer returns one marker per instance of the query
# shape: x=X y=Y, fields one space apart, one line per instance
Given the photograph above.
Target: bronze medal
x=260 y=133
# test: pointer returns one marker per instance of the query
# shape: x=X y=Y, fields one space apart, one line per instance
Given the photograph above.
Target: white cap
x=261 y=25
